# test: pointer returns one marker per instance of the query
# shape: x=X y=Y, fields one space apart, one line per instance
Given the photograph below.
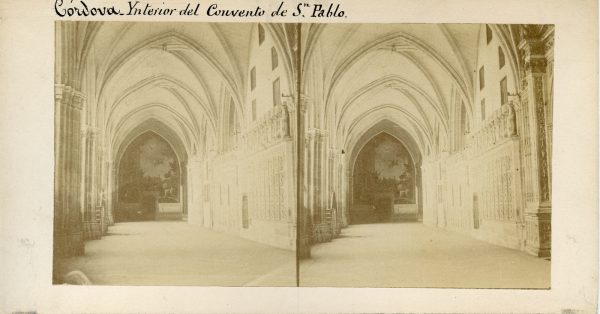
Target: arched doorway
x=384 y=182
x=149 y=181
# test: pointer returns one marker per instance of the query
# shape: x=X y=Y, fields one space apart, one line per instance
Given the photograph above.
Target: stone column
x=331 y=187
x=334 y=189
x=342 y=190
x=109 y=192
x=310 y=162
x=318 y=169
x=321 y=227
x=68 y=237
x=419 y=192
x=84 y=177
x=195 y=191
x=92 y=225
x=348 y=188
x=304 y=223
x=538 y=206
x=184 y=189
x=95 y=184
x=102 y=185
x=86 y=187
x=549 y=49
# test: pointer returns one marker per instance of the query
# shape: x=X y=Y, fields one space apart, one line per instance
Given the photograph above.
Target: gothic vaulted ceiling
x=414 y=74
x=180 y=74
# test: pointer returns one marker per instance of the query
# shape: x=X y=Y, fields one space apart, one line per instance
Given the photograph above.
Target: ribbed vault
x=415 y=74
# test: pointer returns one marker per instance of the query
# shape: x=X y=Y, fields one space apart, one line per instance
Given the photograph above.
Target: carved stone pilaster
x=273 y=127
x=539 y=232
x=538 y=206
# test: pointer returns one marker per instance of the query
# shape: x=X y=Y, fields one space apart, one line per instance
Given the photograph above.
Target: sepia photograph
x=425 y=153
x=388 y=156
x=174 y=153
x=428 y=153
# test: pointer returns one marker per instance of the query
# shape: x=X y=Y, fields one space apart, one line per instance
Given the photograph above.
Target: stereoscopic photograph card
x=297 y=157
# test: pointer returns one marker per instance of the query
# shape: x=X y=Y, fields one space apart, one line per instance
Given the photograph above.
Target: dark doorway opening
x=384 y=183
x=149 y=181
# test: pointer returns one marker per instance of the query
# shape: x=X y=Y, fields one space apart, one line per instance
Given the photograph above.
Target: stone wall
x=477 y=191
x=250 y=190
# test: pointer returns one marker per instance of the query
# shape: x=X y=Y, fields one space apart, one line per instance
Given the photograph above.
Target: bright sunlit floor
x=415 y=255
x=178 y=253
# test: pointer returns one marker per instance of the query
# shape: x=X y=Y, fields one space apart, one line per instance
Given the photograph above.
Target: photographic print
x=428 y=155
x=174 y=148
x=425 y=153
x=389 y=156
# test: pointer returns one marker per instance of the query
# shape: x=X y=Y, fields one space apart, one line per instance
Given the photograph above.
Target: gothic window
x=503 y=92
x=274 y=58
x=501 y=60
x=253 y=110
x=481 y=78
x=483 y=109
x=276 y=93
x=261 y=34
x=253 y=78
x=488 y=33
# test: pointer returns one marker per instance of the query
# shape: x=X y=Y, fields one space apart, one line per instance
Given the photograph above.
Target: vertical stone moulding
x=538 y=207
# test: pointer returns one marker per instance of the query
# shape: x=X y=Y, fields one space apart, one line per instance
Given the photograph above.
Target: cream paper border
x=26 y=185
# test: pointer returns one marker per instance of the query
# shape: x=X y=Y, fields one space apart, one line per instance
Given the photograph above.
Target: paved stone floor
x=415 y=255
x=178 y=253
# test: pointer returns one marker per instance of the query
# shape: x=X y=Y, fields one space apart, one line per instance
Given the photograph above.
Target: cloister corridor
x=410 y=254
x=178 y=253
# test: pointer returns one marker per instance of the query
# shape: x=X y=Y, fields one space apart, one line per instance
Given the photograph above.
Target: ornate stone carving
x=511 y=120
x=500 y=126
x=532 y=51
x=538 y=234
x=542 y=158
x=532 y=31
x=271 y=128
x=537 y=65
x=549 y=44
x=66 y=95
x=285 y=121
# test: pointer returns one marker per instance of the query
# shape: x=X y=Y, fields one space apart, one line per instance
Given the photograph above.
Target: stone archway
x=392 y=190
x=149 y=180
x=384 y=183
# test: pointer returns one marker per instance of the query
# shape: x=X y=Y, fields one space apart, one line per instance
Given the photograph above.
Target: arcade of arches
x=446 y=125
x=426 y=125
x=175 y=121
